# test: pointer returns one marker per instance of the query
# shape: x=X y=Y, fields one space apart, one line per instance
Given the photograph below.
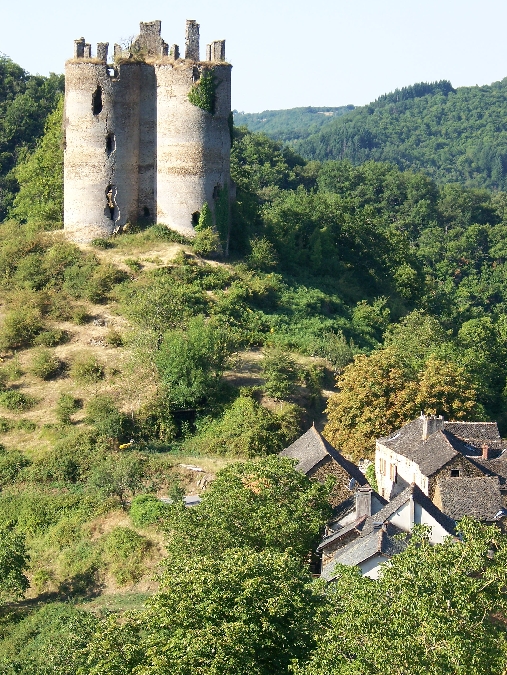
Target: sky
x=285 y=53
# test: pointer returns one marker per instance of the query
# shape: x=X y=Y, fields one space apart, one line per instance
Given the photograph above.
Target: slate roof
x=357 y=526
x=311 y=449
x=378 y=542
x=414 y=492
x=476 y=433
x=437 y=450
x=477 y=497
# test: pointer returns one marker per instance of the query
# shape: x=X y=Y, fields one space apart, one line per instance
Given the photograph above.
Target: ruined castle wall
x=193 y=146
x=147 y=142
x=101 y=149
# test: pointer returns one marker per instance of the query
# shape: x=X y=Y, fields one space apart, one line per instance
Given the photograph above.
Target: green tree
x=119 y=475
x=243 y=613
x=260 y=505
x=191 y=362
x=40 y=176
x=434 y=610
x=280 y=373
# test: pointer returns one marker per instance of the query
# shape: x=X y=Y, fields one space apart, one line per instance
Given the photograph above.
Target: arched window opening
x=216 y=192
x=97 y=101
x=146 y=212
x=195 y=218
x=110 y=143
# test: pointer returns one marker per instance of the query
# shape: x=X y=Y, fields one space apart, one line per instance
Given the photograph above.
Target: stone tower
x=146 y=136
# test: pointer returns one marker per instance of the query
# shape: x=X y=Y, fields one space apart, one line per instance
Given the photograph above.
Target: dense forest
x=452 y=135
x=352 y=287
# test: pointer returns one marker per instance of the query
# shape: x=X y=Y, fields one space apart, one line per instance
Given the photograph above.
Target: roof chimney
x=431 y=424
x=486 y=451
x=363 y=502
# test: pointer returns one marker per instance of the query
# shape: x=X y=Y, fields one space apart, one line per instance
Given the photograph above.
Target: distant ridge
x=291 y=124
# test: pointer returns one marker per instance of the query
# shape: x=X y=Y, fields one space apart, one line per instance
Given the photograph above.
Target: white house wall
x=407 y=472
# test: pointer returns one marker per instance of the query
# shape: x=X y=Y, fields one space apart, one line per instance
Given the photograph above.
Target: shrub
x=263 y=255
x=102 y=281
x=247 y=429
x=105 y=416
x=20 y=326
x=45 y=364
x=120 y=476
x=51 y=337
x=134 y=265
x=65 y=407
x=16 y=401
x=102 y=243
x=80 y=316
x=87 y=369
x=147 y=510
x=165 y=233
x=206 y=242
x=113 y=338
x=280 y=373
x=3 y=379
x=125 y=551
x=11 y=463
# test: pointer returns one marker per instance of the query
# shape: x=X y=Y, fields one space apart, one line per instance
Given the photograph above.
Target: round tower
x=193 y=143
x=101 y=123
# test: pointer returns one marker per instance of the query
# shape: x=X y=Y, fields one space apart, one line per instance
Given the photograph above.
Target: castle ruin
x=147 y=136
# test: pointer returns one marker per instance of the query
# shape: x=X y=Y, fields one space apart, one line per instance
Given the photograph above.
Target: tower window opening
x=195 y=218
x=146 y=212
x=110 y=201
x=216 y=192
x=97 y=101
x=111 y=72
x=110 y=143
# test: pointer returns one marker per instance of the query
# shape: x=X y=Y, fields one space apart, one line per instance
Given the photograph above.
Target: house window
x=383 y=468
x=454 y=473
x=393 y=473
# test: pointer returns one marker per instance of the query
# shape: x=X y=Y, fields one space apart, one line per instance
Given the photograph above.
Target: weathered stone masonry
x=135 y=146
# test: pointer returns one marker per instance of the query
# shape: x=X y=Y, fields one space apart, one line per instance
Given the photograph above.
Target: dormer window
x=454 y=473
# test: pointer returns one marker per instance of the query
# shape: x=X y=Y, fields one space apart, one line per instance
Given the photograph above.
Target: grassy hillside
x=292 y=124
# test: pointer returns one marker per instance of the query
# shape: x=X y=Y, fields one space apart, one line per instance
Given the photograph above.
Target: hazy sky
x=286 y=54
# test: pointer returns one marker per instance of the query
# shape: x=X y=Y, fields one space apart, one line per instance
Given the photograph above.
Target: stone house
x=318 y=459
x=429 y=449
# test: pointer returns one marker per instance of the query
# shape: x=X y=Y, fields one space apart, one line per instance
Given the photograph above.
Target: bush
x=87 y=369
x=80 y=316
x=247 y=429
x=134 y=265
x=102 y=243
x=16 y=401
x=114 y=339
x=120 y=476
x=51 y=338
x=147 y=510
x=65 y=407
x=263 y=255
x=11 y=463
x=125 y=551
x=206 y=242
x=45 y=364
x=20 y=326
x=105 y=416
x=102 y=281
x=280 y=373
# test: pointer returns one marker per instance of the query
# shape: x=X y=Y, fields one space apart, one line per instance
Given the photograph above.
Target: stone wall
x=341 y=490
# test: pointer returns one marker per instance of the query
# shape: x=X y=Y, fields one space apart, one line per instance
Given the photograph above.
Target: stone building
x=429 y=451
x=146 y=136
x=317 y=459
